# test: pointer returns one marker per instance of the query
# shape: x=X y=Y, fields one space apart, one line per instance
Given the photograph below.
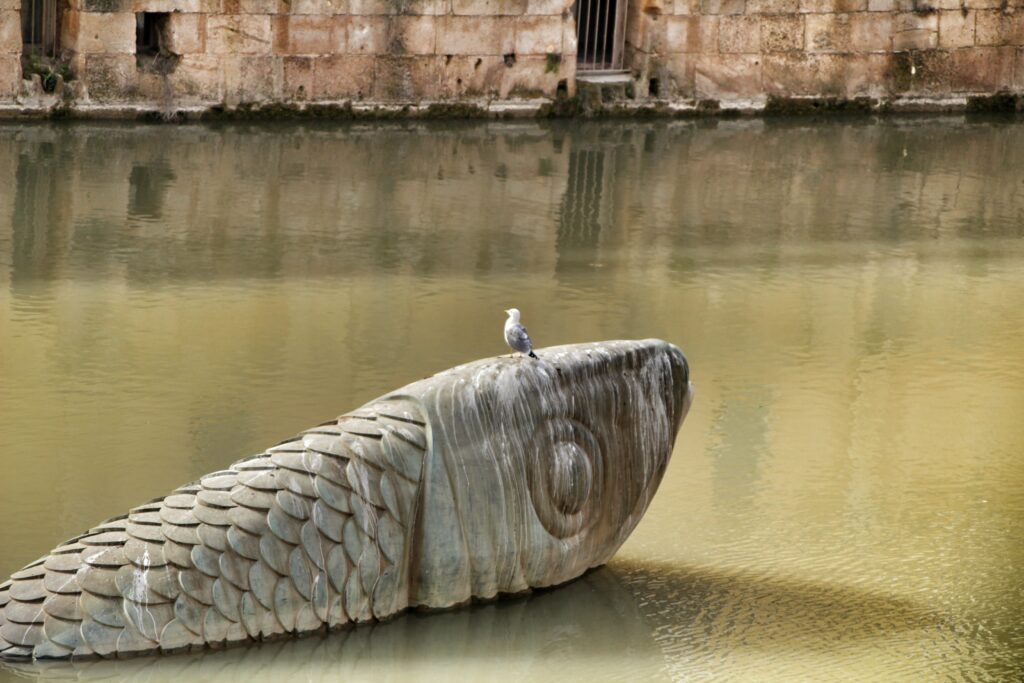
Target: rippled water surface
x=846 y=499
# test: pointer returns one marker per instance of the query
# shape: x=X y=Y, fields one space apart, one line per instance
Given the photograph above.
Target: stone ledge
x=1005 y=102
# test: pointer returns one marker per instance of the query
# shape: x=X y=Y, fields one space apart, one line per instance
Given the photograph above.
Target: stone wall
x=237 y=52
x=690 y=54
x=743 y=52
x=10 y=48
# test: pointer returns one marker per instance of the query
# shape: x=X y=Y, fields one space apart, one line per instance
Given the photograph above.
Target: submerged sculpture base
x=488 y=479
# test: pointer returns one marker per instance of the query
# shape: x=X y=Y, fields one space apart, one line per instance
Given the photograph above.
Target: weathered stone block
x=187 y=6
x=865 y=74
x=198 y=78
x=101 y=33
x=10 y=4
x=828 y=33
x=782 y=33
x=832 y=6
x=692 y=34
x=943 y=72
x=530 y=77
x=10 y=32
x=920 y=72
x=996 y=28
x=343 y=77
x=186 y=33
x=10 y=75
x=538 y=35
x=372 y=7
x=256 y=7
x=297 y=78
x=772 y=6
x=109 y=78
x=916 y=31
x=489 y=7
x=469 y=76
x=804 y=75
x=871 y=32
x=686 y=7
x=238 y=34
x=983 y=4
x=569 y=39
x=956 y=28
x=106 y=6
x=320 y=7
x=881 y=5
x=739 y=34
x=723 y=6
x=727 y=77
x=681 y=71
x=655 y=8
x=476 y=36
x=982 y=70
x=367 y=35
x=548 y=6
x=251 y=79
x=309 y=34
x=1018 y=69
x=406 y=78
x=69 y=29
x=415 y=35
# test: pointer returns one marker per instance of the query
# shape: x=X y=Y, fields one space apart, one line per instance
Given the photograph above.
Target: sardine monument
x=491 y=478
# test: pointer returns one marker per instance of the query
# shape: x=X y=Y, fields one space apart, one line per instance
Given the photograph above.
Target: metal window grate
x=39 y=22
x=600 y=34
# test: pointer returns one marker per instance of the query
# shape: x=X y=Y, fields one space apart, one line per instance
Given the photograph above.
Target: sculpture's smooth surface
x=493 y=477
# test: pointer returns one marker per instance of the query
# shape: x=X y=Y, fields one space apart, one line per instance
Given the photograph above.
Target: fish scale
x=251 y=551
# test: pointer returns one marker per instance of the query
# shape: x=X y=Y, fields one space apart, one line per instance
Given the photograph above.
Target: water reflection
x=516 y=639
x=147 y=190
x=261 y=202
x=583 y=209
x=570 y=631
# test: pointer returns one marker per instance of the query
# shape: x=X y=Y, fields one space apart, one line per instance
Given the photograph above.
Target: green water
x=846 y=499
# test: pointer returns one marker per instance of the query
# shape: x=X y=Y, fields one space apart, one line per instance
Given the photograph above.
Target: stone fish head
x=539 y=470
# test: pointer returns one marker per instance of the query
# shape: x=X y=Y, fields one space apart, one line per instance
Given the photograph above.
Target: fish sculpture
x=490 y=478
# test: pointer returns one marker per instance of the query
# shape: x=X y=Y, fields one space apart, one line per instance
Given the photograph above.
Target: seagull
x=516 y=336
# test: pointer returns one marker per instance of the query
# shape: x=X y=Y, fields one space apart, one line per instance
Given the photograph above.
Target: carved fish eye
x=570 y=478
x=565 y=473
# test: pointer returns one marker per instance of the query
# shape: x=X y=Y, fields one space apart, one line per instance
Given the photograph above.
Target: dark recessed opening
x=40 y=26
x=150 y=28
x=653 y=87
x=563 y=89
x=599 y=34
x=510 y=59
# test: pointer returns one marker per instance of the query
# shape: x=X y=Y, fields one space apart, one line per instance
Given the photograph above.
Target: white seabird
x=516 y=336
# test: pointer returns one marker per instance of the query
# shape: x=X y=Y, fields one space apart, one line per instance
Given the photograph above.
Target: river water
x=846 y=498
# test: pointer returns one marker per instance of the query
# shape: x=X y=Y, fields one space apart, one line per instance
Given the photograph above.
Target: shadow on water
x=616 y=616
x=711 y=602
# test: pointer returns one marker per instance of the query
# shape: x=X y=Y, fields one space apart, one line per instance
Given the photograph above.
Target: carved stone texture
x=493 y=477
